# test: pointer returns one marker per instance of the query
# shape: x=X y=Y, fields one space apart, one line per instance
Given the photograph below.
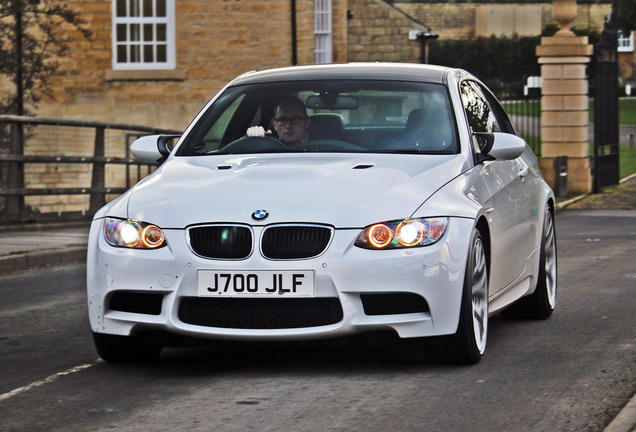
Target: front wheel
x=121 y=349
x=468 y=344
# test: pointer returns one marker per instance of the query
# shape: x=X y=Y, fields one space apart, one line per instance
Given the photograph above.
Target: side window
x=143 y=34
x=502 y=118
x=214 y=138
x=480 y=116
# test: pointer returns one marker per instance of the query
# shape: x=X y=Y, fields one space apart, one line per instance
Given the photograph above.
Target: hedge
x=503 y=63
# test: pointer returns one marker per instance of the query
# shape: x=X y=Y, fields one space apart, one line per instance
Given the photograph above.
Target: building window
x=143 y=34
x=625 y=42
x=322 y=31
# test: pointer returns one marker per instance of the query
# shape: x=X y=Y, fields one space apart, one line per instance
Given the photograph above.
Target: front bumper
x=132 y=291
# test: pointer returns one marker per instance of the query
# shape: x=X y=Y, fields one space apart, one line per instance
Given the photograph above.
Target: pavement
x=30 y=246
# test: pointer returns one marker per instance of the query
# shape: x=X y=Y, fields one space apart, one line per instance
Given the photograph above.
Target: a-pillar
x=564 y=101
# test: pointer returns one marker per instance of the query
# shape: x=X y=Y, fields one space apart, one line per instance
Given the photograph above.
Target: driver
x=290 y=122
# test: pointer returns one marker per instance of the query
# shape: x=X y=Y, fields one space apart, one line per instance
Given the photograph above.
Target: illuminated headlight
x=130 y=233
x=402 y=234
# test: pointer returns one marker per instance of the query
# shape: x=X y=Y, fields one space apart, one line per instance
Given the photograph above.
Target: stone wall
x=215 y=42
x=379 y=32
x=564 y=99
x=457 y=20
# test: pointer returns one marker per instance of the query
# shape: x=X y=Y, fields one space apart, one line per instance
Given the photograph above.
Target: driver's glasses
x=294 y=121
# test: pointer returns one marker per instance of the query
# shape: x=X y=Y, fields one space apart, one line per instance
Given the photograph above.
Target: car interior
x=387 y=118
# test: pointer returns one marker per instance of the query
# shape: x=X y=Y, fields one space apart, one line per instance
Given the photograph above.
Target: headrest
x=327 y=124
x=415 y=120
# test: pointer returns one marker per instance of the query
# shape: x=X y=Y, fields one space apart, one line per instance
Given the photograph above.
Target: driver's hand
x=257 y=131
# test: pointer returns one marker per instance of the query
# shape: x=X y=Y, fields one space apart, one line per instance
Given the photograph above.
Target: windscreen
x=326 y=116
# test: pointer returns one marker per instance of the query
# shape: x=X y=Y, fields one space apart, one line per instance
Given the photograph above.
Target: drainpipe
x=293 y=31
x=424 y=37
x=18 y=55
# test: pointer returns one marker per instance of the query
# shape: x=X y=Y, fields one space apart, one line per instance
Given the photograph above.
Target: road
x=574 y=371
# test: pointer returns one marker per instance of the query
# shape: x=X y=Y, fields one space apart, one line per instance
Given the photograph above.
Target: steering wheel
x=246 y=144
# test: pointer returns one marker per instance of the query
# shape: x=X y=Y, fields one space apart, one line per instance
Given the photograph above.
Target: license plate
x=227 y=283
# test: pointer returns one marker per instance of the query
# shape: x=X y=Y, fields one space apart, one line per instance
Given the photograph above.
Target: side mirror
x=499 y=146
x=152 y=149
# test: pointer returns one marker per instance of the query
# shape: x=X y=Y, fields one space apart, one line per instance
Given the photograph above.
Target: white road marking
x=47 y=380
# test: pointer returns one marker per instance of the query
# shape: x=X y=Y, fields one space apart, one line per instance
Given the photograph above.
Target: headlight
x=130 y=233
x=402 y=234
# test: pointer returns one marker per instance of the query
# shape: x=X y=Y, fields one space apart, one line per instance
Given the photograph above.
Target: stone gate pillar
x=564 y=100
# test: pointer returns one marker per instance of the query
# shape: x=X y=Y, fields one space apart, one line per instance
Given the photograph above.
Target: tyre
x=468 y=344
x=541 y=303
x=122 y=349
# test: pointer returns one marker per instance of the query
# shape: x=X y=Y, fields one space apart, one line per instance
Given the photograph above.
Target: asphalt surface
x=31 y=246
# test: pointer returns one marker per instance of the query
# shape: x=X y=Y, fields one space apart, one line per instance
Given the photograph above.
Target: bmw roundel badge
x=260 y=215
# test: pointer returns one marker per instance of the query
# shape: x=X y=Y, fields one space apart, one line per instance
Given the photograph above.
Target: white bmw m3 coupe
x=325 y=201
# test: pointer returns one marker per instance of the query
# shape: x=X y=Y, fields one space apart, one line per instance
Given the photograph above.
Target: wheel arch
x=552 y=207
x=484 y=229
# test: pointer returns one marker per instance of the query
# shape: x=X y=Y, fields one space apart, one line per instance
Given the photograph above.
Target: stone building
x=199 y=45
x=627 y=60
x=157 y=62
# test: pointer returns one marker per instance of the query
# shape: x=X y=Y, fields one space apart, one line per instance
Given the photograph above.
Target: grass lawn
x=627 y=158
x=626 y=109
x=627 y=114
x=530 y=108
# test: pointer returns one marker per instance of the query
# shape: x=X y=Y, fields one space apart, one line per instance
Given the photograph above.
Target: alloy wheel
x=480 y=295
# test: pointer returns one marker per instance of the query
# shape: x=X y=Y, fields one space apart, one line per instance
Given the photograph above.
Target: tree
x=503 y=63
x=33 y=34
x=627 y=15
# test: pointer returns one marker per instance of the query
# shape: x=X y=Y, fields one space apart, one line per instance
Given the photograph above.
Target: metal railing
x=12 y=155
x=525 y=114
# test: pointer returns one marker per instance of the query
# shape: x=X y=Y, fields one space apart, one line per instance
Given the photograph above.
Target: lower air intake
x=260 y=314
x=136 y=302
x=393 y=304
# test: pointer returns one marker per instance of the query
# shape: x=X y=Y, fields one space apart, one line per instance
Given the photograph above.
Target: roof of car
x=386 y=71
